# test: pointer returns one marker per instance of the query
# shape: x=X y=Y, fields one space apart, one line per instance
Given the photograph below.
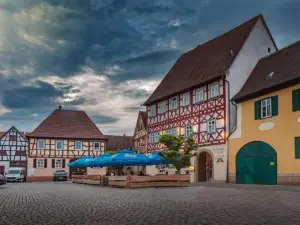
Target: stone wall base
x=282 y=179
x=39 y=178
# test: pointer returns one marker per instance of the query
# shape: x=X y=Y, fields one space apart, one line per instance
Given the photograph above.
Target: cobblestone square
x=66 y=203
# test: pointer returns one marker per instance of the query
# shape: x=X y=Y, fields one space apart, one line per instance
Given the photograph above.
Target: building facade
x=193 y=98
x=140 y=133
x=265 y=146
x=116 y=143
x=61 y=138
x=13 y=149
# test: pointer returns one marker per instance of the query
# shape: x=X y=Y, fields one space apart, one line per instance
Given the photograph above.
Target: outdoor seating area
x=122 y=159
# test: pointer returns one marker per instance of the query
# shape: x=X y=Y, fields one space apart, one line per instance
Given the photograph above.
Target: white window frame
x=62 y=145
x=57 y=164
x=153 y=110
x=156 y=137
x=77 y=149
x=40 y=162
x=94 y=148
x=267 y=105
x=38 y=144
x=172 y=132
x=199 y=95
x=162 y=107
x=214 y=90
x=174 y=103
x=186 y=99
x=211 y=126
x=188 y=132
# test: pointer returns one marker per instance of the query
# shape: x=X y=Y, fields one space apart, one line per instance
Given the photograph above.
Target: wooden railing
x=135 y=181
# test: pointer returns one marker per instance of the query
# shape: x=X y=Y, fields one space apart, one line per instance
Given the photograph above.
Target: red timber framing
x=68 y=148
x=196 y=114
x=13 y=148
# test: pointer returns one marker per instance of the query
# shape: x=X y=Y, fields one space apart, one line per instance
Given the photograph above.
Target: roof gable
x=118 y=142
x=141 y=120
x=67 y=124
x=205 y=63
x=22 y=134
x=282 y=68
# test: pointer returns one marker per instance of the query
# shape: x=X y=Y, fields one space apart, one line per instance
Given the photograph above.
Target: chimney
x=124 y=135
x=59 y=107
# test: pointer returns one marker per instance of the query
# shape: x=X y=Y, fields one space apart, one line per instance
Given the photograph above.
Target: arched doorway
x=76 y=170
x=256 y=163
x=205 y=158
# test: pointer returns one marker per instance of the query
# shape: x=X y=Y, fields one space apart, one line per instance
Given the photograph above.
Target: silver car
x=2 y=180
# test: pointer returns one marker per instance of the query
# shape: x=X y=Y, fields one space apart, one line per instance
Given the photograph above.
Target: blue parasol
x=97 y=162
x=81 y=161
x=156 y=159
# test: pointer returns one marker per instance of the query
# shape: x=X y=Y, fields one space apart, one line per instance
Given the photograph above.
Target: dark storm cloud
x=102 y=119
x=143 y=38
x=40 y=94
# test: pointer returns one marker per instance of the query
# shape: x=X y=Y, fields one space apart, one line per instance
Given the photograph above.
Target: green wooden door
x=256 y=163
x=245 y=170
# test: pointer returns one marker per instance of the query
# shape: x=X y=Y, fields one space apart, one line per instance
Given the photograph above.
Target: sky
x=107 y=56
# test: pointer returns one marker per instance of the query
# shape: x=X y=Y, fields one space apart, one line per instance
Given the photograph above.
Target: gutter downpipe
x=235 y=126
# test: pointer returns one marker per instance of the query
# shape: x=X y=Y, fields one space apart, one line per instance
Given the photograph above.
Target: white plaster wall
x=5 y=164
x=219 y=168
x=255 y=47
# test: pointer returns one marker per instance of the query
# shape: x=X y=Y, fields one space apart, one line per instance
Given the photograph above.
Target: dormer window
x=174 y=103
x=186 y=99
x=214 y=90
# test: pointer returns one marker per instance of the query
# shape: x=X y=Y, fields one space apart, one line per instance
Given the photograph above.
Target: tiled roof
x=118 y=142
x=283 y=69
x=67 y=124
x=205 y=63
x=2 y=133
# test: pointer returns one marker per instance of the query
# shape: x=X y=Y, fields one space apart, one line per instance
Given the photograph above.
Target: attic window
x=270 y=76
x=269 y=50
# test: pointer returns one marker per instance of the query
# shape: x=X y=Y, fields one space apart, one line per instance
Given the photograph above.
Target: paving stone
x=66 y=203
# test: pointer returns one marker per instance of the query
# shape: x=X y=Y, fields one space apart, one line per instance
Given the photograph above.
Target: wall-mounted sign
x=272 y=163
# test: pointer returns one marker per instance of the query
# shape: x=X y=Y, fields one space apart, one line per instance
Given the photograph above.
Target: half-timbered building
x=140 y=133
x=193 y=98
x=115 y=142
x=62 y=137
x=13 y=149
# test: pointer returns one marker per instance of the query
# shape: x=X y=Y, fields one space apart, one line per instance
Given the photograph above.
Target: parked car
x=2 y=180
x=60 y=175
x=16 y=174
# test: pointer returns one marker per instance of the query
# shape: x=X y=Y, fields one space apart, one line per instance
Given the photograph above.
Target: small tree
x=179 y=151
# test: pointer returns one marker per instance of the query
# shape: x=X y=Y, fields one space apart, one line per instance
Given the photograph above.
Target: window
x=186 y=99
x=162 y=107
x=188 y=130
x=174 y=103
x=266 y=108
x=214 y=90
x=78 y=145
x=41 y=144
x=297 y=147
x=58 y=163
x=211 y=126
x=12 y=137
x=172 y=132
x=39 y=163
x=59 y=145
x=152 y=110
x=154 y=137
x=199 y=95
x=96 y=146
x=296 y=100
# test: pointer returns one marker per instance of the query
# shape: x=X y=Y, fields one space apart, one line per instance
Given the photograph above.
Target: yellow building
x=265 y=146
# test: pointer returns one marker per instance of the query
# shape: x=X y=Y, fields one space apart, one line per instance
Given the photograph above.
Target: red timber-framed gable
x=196 y=114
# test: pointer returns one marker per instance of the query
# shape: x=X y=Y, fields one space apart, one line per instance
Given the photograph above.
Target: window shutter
x=297 y=147
x=257 y=110
x=296 y=99
x=274 y=103
x=45 y=163
x=63 y=163
x=53 y=163
x=34 y=163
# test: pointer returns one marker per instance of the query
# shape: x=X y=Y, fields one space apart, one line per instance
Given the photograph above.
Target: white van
x=16 y=174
